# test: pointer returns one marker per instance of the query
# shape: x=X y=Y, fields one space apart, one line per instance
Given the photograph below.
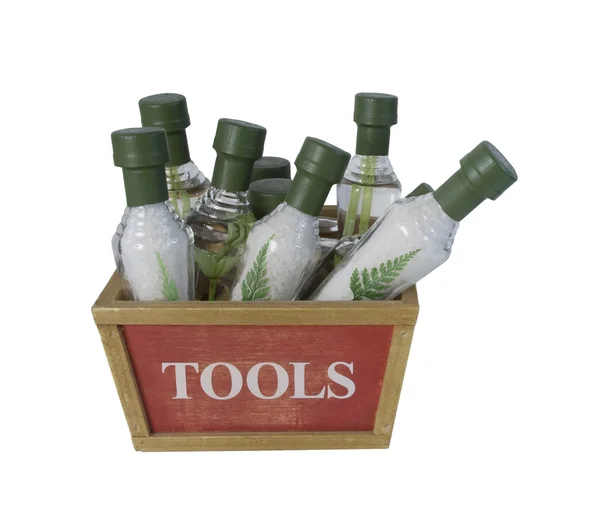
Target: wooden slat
x=109 y=311
x=392 y=381
x=120 y=366
x=260 y=441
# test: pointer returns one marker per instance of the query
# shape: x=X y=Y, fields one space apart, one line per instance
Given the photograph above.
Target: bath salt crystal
x=152 y=245
x=284 y=248
x=415 y=235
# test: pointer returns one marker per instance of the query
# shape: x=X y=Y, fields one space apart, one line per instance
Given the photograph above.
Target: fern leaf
x=375 y=284
x=255 y=286
x=169 y=289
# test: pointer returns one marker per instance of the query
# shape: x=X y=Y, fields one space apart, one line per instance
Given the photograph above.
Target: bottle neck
x=145 y=186
x=373 y=140
x=232 y=173
x=178 y=148
x=457 y=196
x=308 y=193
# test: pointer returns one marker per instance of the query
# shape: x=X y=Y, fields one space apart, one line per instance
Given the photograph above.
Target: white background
x=498 y=423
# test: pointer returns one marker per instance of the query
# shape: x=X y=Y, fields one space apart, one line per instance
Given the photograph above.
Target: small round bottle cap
x=265 y=195
x=375 y=109
x=166 y=110
x=488 y=170
x=323 y=160
x=239 y=138
x=139 y=147
x=271 y=167
x=420 y=190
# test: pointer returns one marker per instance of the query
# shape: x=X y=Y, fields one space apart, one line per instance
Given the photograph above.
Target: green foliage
x=169 y=287
x=216 y=265
x=373 y=285
x=255 y=286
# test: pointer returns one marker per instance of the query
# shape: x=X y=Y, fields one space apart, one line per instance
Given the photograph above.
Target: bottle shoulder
x=217 y=205
x=371 y=170
x=149 y=222
x=420 y=216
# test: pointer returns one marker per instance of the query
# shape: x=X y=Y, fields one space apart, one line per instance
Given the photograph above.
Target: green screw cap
x=420 y=190
x=239 y=138
x=484 y=173
x=142 y=153
x=265 y=195
x=238 y=145
x=271 y=167
x=374 y=113
x=139 y=147
x=166 y=110
x=320 y=165
x=375 y=109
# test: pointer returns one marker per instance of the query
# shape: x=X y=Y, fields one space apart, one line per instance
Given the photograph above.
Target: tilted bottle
x=370 y=184
x=415 y=235
x=153 y=247
x=221 y=219
x=185 y=181
x=284 y=248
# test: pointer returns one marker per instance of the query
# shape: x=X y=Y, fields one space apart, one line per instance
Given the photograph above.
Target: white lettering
x=338 y=378
x=283 y=381
x=299 y=383
x=180 y=378
x=236 y=381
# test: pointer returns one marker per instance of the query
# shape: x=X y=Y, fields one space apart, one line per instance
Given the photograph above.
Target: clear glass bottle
x=415 y=235
x=370 y=184
x=153 y=248
x=185 y=181
x=221 y=219
x=284 y=248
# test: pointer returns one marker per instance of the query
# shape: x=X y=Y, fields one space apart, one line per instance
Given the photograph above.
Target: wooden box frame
x=111 y=313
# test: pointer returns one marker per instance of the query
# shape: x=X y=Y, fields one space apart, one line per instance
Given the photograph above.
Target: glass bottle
x=153 y=247
x=370 y=184
x=221 y=219
x=284 y=248
x=185 y=181
x=415 y=235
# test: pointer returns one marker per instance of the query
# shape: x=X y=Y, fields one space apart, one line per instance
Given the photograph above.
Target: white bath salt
x=282 y=249
x=153 y=251
x=410 y=240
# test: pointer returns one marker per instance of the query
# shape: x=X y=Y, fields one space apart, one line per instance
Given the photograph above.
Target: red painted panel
x=243 y=347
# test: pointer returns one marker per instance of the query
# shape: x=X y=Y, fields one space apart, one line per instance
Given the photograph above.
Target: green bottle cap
x=238 y=145
x=169 y=111
x=142 y=154
x=319 y=166
x=423 y=188
x=374 y=113
x=166 y=110
x=265 y=195
x=271 y=167
x=484 y=173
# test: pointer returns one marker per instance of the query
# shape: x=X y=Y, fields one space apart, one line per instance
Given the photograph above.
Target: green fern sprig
x=255 y=286
x=169 y=289
x=373 y=285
